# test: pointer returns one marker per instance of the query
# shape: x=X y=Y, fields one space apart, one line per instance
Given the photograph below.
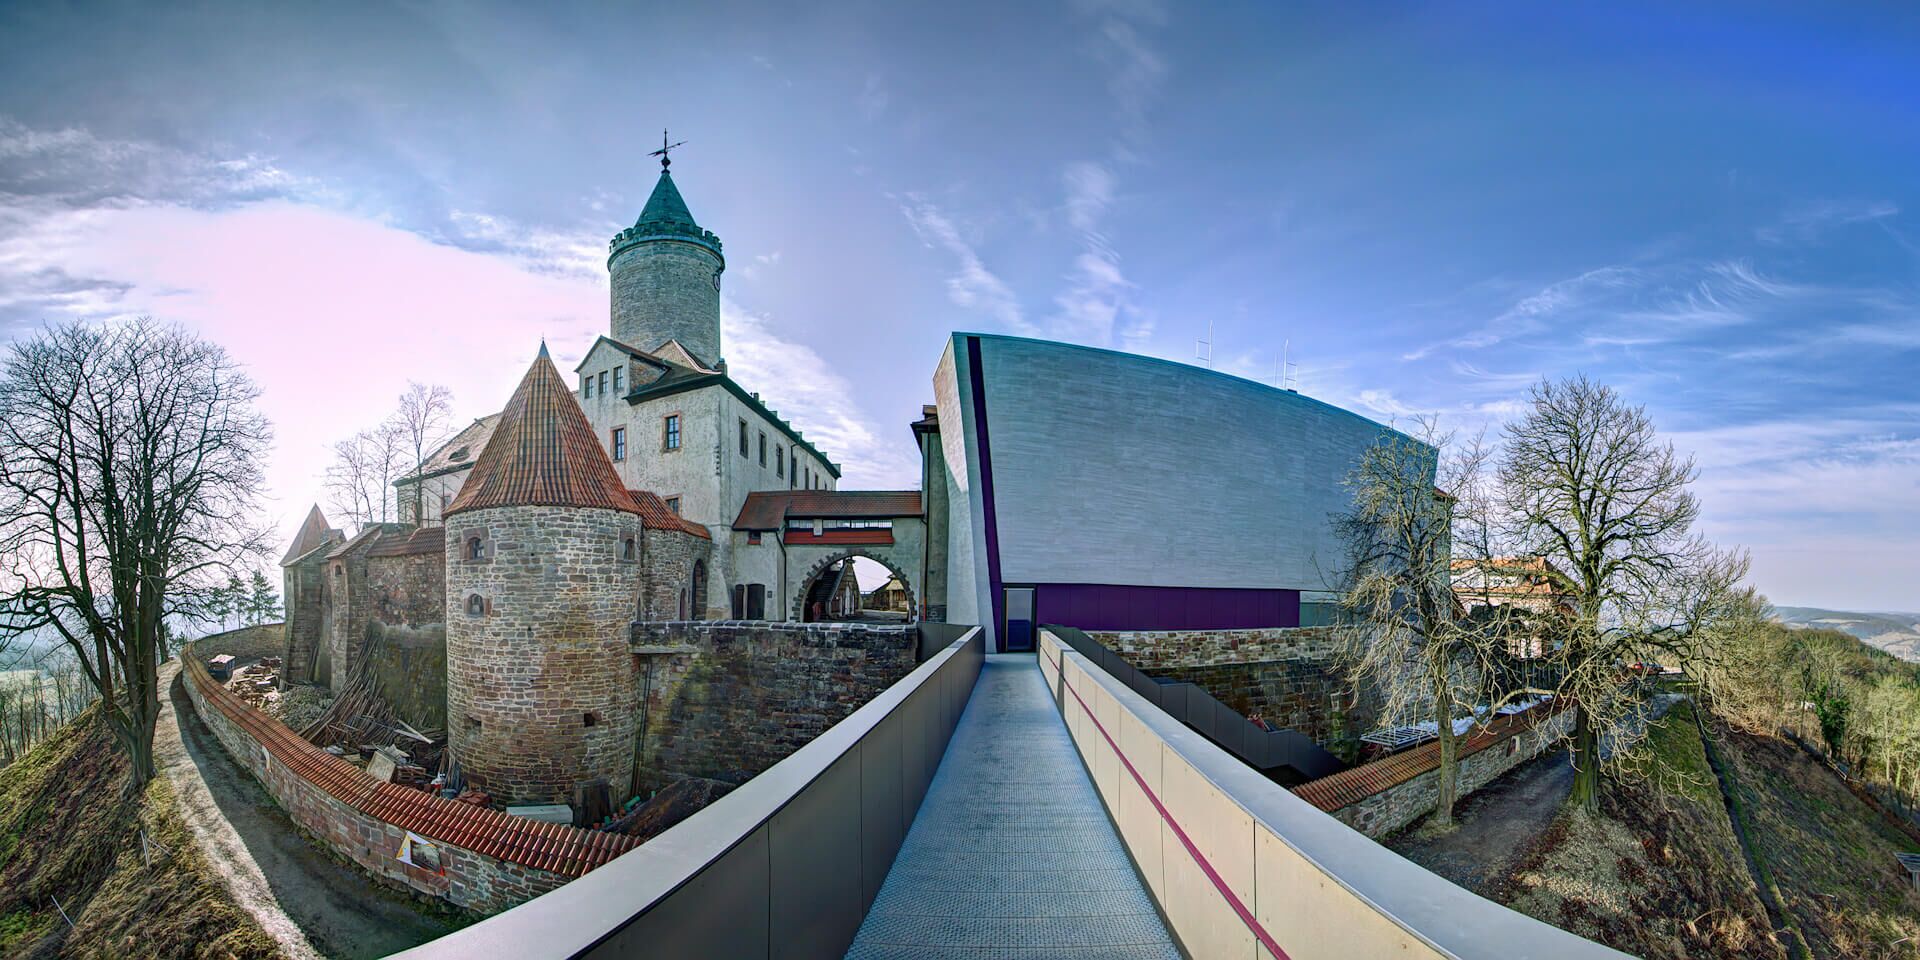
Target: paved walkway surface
x=313 y=904
x=1011 y=854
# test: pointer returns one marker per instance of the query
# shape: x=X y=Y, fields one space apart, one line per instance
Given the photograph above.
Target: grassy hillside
x=1829 y=856
x=1658 y=873
x=67 y=833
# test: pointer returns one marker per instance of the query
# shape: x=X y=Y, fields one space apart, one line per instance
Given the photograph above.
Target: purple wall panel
x=1104 y=606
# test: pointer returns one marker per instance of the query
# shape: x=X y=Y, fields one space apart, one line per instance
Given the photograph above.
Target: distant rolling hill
x=1896 y=633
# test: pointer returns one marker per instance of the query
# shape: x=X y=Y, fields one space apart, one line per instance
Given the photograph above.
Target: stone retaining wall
x=487 y=861
x=727 y=699
x=1380 y=797
x=1157 y=650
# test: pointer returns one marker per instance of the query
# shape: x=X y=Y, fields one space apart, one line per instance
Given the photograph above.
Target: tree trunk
x=1449 y=751
x=1586 y=762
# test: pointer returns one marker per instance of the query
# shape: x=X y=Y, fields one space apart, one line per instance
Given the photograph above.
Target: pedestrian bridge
x=1020 y=805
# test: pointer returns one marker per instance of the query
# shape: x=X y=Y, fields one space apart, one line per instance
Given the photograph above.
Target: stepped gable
x=313 y=532
x=543 y=453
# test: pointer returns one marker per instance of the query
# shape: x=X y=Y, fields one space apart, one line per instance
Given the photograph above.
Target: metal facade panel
x=720 y=912
x=883 y=817
x=815 y=855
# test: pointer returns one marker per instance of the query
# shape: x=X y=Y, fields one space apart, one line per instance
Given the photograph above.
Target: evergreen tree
x=265 y=602
x=236 y=600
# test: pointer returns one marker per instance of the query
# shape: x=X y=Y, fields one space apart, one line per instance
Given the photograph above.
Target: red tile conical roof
x=543 y=453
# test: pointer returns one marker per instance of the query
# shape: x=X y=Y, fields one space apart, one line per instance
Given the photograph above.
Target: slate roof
x=543 y=452
x=665 y=205
x=458 y=452
x=770 y=509
x=654 y=515
x=313 y=532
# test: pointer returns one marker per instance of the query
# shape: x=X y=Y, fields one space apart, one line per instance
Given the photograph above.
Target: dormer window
x=458 y=455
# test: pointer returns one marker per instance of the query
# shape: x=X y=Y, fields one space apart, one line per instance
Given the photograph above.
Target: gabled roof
x=771 y=509
x=313 y=532
x=626 y=348
x=543 y=452
x=367 y=535
x=679 y=379
x=458 y=452
x=655 y=515
x=422 y=540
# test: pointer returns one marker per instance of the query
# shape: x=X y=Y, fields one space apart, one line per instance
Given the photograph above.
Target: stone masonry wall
x=667 y=290
x=1156 y=650
x=1395 y=807
x=668 y=557
x=727 y=699
x=329 y=799
x=303 y=590
x=1288 y=676
x=540 y=683
x=406 y=649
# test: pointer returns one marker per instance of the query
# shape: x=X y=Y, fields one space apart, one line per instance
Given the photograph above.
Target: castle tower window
x=671 y=440
x=619 y=443
x=476 y=606
x=628 y=551
x=476 y=549
x=589 y=719
x=616 y=379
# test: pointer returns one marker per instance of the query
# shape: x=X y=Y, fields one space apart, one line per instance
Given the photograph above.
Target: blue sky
x=1715 y=210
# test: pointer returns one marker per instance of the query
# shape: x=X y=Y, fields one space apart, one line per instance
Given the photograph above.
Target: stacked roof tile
x=543 y=453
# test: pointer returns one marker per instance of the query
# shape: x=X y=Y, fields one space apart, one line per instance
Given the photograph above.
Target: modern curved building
x=1111 y=491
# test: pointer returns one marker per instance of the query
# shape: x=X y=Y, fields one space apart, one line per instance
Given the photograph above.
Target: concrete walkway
x=314 y=905
x=1011 y=854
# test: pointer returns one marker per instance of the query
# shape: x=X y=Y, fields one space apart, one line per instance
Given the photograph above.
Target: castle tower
x=665 y=273
x=543 y=576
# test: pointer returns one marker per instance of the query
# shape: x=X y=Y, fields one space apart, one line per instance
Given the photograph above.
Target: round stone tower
x=543 y=547
x=665 y=272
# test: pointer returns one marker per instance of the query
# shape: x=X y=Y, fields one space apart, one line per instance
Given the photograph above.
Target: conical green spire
x=665 y=206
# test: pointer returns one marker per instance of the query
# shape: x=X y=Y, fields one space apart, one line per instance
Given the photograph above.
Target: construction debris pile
x=257 y=683
x=363 y=727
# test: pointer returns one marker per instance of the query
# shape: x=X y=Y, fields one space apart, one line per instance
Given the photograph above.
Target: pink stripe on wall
x=1219 y=883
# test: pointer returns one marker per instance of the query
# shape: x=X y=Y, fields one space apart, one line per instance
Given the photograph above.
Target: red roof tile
x=655 y=515
x=560 y=849
x=423 y=540
x=1349 y=787
x=770 y=509
x=543 y=453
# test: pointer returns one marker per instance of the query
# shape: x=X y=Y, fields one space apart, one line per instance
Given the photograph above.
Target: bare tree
x=421 y=420
x=129 y=463
x=359 y=482
x=1403 y=634
x=1589 y=488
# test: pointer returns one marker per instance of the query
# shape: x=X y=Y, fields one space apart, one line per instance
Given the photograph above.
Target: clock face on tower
x=716 y=280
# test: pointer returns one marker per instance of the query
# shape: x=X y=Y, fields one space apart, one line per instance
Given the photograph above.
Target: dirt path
x=1497 y=824
x=314 y=905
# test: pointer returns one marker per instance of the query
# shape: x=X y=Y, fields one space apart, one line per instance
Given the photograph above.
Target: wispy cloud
x=972 y=285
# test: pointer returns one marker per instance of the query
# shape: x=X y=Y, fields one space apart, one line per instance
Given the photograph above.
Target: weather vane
x=665 y=147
